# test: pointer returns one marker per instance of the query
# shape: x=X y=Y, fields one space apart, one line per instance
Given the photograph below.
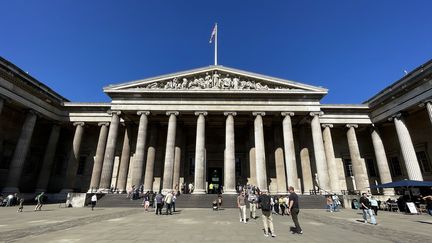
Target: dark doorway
x=215 y=180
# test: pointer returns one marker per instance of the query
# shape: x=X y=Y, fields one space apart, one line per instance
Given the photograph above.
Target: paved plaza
x=55 y=224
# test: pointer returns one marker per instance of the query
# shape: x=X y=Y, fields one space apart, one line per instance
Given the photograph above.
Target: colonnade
x=144 y=158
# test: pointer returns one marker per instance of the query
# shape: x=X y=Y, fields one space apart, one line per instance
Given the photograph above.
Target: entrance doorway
x=215 y=180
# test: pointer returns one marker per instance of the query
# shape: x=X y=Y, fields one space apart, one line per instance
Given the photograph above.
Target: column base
x=10 y=190
x=104 y=190
x=232 y=191
x=165 y=191
x=388 y=192
x=92 y=190
x=283 y=193
x=199 y=191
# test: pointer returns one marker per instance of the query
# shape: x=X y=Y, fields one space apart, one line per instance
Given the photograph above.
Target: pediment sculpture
x=214 y=81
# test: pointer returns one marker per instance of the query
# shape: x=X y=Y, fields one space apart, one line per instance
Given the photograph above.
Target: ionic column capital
x=111 y=112
x=103 y=124
x=351 y=125
x=316 y=113
x=204 y=113
x=232 y=113
x=258 y=113
x=327 y=125
x=175 y=113
x=395 y=116
x=287 y=113
x=78 y=124
x=139 y=113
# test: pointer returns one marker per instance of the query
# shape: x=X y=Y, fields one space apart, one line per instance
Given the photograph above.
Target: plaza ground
x=57 y=224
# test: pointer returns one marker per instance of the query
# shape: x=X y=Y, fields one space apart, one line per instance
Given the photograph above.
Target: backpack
x=265 y=203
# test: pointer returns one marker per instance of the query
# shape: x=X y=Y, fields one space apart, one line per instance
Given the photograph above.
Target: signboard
x=411 y=207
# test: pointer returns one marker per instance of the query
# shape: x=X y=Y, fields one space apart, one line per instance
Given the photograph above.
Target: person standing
x=159 y=203
x=168 y=201
x=329 y=202
x=294 y=209
x=265 y=205
x=374 y=205
x=93 y=201
x=40 y=199
x=21 y=205
x=428 y=200
x=252 y=199
x=241 y=204
x=366 y=207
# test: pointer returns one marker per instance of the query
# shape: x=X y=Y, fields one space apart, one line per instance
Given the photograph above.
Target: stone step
x=203 y=201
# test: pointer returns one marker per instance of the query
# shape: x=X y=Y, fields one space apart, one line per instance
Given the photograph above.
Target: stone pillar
x=229 y=156
x=170 y=152
x=177 y=160
x=20 y=154
x=381 y=159
x=108 y=163
x=320 y=159
x=124 y=162
x=45 y=172
x=331 y=161
x=358 y=164
x=407 y=149
x=261 y=171
x=151 y=154
x=279 y=161
x=252 y=158
x=72 y=165
x=138 y=162
x=290 y=160
x=100 y=151
x=428 y=105
x=200 y=154
x=306 y=171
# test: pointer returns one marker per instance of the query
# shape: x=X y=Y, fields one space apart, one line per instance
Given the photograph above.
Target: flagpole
x=216 y=45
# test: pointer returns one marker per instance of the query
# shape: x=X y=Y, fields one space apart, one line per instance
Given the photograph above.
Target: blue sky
x=353 y=48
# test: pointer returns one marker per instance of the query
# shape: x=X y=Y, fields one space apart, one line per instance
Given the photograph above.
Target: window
x=348 y=167
x=424 y=162
x=395 y=168
x=81 y=165
x=371 y=167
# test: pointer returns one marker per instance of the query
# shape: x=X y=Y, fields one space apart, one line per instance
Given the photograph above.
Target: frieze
x=214 y=81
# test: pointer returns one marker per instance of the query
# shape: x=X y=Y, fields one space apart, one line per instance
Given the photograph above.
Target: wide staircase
x=202 y=201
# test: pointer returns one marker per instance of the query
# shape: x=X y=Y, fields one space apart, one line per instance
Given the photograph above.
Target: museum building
x=212 y=125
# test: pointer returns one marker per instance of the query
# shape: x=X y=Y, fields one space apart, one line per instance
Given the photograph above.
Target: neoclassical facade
x=215 y=125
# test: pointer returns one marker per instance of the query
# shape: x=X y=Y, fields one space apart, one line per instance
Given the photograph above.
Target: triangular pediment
x=214 y=79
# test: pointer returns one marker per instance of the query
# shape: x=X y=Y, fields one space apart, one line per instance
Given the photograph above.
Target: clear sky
x=353 y=48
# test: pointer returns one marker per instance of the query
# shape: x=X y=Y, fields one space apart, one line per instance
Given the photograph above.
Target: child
x=21 y=202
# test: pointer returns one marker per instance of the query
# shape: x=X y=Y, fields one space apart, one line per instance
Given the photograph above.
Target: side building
x=213 y=125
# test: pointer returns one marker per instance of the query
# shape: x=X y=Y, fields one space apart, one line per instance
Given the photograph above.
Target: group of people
x=14 y=200
x=333 y=203
x=262 y=200
x=156 y=200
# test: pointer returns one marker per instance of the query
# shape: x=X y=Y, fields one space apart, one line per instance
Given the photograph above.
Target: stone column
x=407 y=149
x=290 y=160
x=177 y=160
x=72 y=165
x=306 y=171
x=279 y=161
x=108 y=163
x=358 y=164
x=252 y=158
x=19 y=156
x=200 y=154
x=45 y=172
x=320 y=159
x=151 y=154
x=229 y=156
x=170 y=152
x=381 y=159
x=100 y=151
x=331 y=161
x=124 y=162
x=261 y=171
x=428 y=105
x=138 y=163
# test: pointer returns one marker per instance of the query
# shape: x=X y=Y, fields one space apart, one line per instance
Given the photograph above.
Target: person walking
x=21 y=205
x=365 y=205
x=265 y=205
x=93 y=201
x=294 y=209
x=252 y=199
x=40 y=199
x=374 y=205
x=241 y=204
